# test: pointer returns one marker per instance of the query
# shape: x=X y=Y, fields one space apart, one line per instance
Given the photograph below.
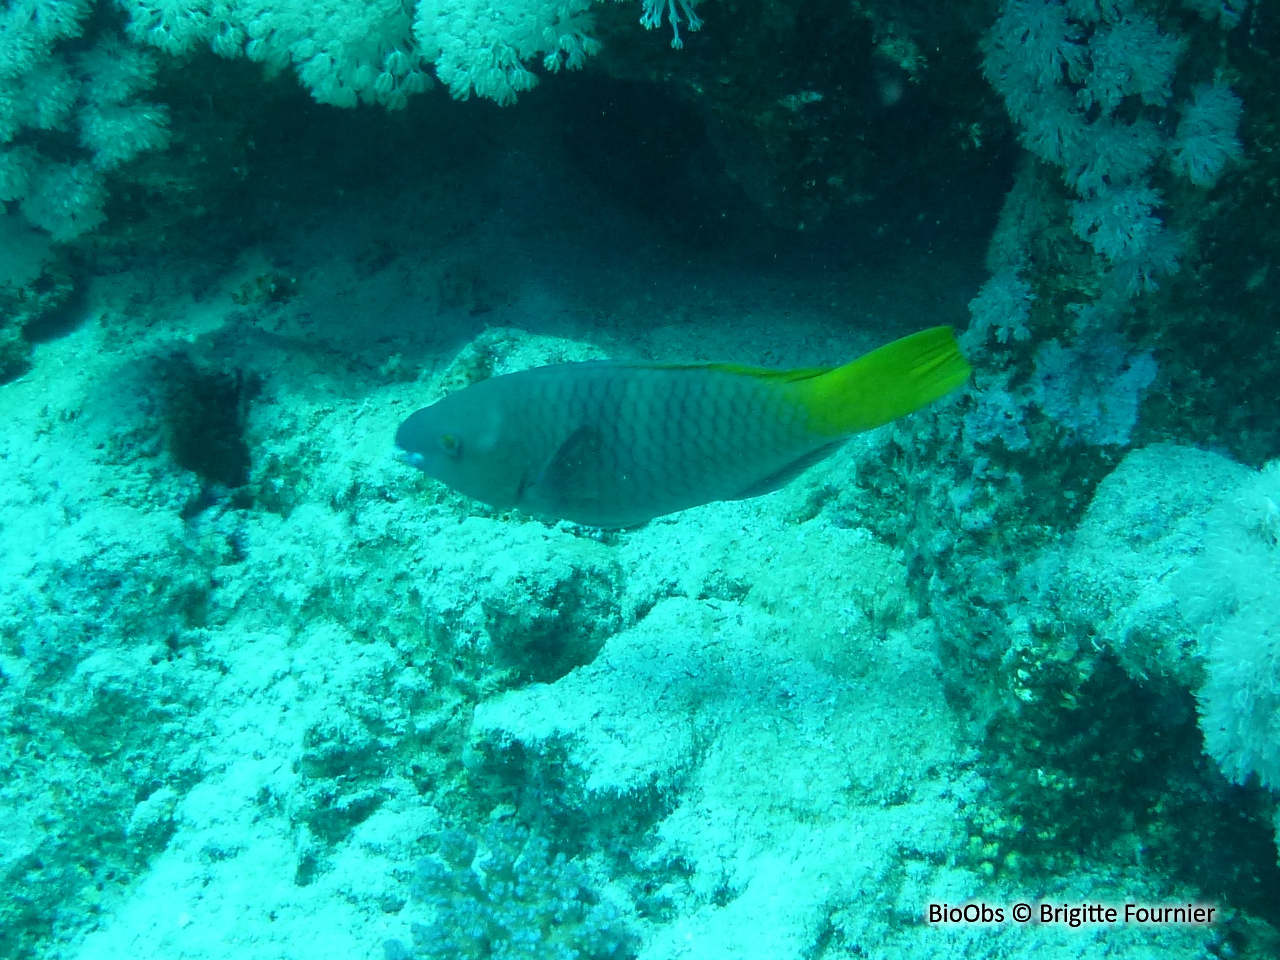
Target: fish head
x=460 y=441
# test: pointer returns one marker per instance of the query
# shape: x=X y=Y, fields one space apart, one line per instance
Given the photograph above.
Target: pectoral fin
x=573 y=476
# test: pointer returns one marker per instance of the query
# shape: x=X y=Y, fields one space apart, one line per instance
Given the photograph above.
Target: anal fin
x=781 y=477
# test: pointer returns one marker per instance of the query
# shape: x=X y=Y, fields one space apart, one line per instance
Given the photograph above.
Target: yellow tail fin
x=885 y=384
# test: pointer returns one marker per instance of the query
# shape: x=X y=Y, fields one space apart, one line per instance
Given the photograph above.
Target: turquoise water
x=266 y=691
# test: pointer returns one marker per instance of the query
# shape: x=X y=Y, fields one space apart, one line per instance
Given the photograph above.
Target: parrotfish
x=616 y=443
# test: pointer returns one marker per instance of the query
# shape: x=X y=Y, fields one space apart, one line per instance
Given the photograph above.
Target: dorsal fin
x=760 y=373
x=738 y=369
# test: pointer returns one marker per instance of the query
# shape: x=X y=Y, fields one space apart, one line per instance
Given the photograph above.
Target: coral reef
x=513 y=899
x=265 y=690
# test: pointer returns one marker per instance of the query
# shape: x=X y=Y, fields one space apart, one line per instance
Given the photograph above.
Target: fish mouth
x=409 y=457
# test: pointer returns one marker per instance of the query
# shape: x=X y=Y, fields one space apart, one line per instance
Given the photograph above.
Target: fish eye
x=451 y=444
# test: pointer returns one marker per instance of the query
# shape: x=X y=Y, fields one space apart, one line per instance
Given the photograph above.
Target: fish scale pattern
x=665 y=436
